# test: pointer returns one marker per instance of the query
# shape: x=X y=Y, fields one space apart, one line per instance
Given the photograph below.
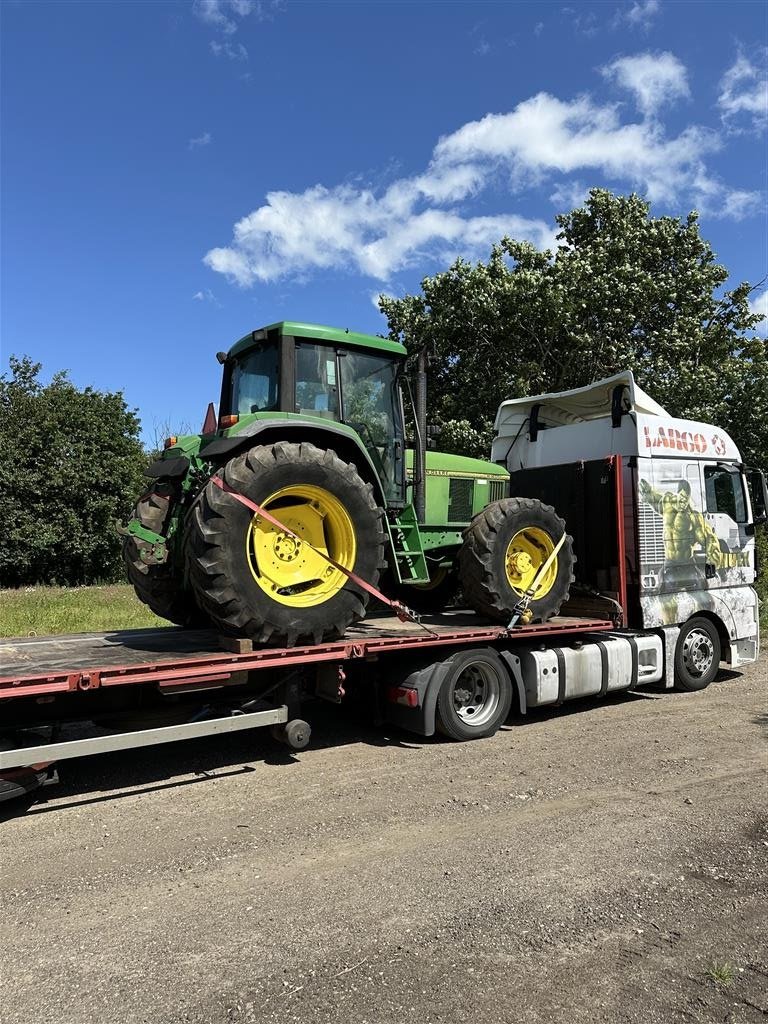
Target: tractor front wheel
x=506 y=547
x=274 y=585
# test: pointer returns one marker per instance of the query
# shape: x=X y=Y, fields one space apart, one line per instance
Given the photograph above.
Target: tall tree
x=70 y=468
x=624 y=290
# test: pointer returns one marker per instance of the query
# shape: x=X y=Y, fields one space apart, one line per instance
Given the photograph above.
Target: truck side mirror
x=758 y=494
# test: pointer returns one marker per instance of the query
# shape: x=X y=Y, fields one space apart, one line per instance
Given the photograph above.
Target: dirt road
x=587 y=865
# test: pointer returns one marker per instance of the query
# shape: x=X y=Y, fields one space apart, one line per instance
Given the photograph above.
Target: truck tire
x=257 y=582
x=503 y=548
x=160 y=587
x=475 y=695
x=697 y=655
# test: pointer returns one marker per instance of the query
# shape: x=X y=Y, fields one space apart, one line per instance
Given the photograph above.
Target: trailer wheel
x=697 y=655
x=475 y=695
x=505 y=546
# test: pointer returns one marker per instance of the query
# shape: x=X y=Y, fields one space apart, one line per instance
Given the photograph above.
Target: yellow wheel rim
x=438 y=576
x=526 y=553
x=292 y=572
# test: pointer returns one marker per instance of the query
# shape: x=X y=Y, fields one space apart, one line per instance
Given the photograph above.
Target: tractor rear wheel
x=160 y=587
x=258 y=581
x=505 y=547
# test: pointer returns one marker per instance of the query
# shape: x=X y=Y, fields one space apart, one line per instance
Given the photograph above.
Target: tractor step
x=410 y=561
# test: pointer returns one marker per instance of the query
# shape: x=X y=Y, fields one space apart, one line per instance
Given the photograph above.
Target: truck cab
x=662 y=510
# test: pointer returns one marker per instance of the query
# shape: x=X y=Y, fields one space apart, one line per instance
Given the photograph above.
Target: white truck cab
x=662 y=511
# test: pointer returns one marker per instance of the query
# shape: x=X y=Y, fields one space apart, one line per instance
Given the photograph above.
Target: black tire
x=432 y=597
x=160 y=587
x=218 y=565
x=475 y=695
x=482 y=558
x=697 y=655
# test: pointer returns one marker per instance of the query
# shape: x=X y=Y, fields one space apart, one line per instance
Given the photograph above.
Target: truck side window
x=725 y=493
x=317 y=390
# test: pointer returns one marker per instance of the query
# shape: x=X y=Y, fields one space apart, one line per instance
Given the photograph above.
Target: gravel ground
x=594 y=864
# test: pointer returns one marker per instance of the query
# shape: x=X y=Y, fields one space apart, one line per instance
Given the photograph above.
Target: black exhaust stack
x=420 y=468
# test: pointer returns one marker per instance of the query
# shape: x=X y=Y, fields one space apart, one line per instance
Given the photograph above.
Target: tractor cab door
x=358 y=388
x=371 y=404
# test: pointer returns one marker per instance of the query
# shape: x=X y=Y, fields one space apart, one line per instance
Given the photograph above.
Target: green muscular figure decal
x=685 y=530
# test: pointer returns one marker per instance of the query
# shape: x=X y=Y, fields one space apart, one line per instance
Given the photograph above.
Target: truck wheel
x=255 y=580
x=475 y=695
x=504 y=547
x=160 y=587
x=697 y=655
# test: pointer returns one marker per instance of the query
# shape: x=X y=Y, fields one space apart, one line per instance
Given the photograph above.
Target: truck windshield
x=253 y=385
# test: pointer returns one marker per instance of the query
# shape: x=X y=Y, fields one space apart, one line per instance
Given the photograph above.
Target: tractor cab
x=325 y=375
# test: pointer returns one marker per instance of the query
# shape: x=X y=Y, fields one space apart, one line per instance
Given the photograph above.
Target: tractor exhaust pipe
x=420 y=469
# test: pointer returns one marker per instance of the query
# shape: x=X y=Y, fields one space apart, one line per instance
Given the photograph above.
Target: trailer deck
x=42 y=666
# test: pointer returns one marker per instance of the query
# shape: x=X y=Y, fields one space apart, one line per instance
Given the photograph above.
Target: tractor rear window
x=254 y=381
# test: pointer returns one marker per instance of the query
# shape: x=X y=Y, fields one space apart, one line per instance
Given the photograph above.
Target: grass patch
x=721 y=973
x=41 y=611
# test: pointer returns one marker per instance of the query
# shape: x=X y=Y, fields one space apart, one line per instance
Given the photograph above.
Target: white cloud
x=655 y=79
x=743 y=99
x=568 y=195
x=423 y=218
x=227 y=15
x=221 y=14
x=232 y=51
x=641 y=13
x=348 y=228
x=545 y=134
x=206 y=295
x=759 y=305
x=202 y=140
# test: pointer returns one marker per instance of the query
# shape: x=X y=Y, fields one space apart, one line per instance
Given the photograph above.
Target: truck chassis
x=162 y=685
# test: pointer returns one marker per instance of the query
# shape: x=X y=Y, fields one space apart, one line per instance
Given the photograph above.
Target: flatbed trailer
x=454 y=673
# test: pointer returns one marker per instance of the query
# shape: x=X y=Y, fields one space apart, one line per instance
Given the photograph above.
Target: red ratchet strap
x=403 y=612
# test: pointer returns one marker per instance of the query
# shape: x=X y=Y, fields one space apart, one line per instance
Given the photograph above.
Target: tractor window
x=317 y=390
x=253 y=386
x=372 y=407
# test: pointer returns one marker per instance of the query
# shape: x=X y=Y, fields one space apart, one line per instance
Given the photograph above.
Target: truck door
x=731 y=561
x=671 y=527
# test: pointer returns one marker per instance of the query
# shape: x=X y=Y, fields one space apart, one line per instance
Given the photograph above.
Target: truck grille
x=651 y=531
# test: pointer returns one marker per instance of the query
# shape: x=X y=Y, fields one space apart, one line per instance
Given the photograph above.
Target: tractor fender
x=264 y=432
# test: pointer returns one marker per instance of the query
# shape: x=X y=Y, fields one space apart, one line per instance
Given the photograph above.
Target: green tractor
x=311 y=431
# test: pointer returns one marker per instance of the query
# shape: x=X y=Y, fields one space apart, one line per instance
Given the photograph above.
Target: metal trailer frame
x=211 y=669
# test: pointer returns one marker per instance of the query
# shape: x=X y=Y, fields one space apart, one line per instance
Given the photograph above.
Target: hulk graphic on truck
x=685 y=531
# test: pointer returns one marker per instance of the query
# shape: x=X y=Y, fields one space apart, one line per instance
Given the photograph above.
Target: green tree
x=624 y=290
x=70 y=468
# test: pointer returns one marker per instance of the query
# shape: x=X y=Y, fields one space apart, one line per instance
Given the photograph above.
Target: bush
x=71 y=465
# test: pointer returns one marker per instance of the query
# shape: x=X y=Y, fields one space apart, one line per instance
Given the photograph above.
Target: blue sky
x=177 y=174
